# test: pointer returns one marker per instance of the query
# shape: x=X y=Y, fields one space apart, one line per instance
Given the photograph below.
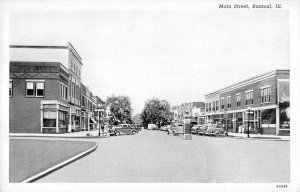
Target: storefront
x=268 y=121
x=53 y=117
x=74 y=119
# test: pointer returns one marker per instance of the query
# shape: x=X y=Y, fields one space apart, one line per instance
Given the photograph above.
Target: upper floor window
x=238 y=99
x=63 y=91
x=35 y=89
x=229 y=102
x=213 y=106
x=265 y=94
x=10 y=88
x=217 y=105
x=222 y=103
x=249 y=97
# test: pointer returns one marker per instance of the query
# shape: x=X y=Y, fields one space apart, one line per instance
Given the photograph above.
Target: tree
x=120 y=108
x=137 y=119
x=157 y=112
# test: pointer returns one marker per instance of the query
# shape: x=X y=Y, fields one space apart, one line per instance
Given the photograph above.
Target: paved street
x=154 y=156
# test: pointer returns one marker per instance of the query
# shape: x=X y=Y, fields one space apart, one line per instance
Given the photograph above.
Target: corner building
x=266 y=95
x=38 y=97
x=45 y=90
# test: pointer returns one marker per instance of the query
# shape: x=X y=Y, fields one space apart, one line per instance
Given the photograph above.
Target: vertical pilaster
x=277 y=120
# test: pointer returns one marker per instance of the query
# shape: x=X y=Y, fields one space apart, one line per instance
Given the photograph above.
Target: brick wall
x=25 y=112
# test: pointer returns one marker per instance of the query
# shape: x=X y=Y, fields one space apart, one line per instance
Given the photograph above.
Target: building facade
x=47 y=80
x=266 y=96
x=38 y=97
x=195 y=110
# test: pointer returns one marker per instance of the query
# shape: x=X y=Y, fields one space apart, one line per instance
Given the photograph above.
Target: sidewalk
x=256 y=136
x=81 y=134
x=24 y=166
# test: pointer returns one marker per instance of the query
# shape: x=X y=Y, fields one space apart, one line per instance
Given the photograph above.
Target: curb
x=60 y=165
x=54 y=136
x=261 y=139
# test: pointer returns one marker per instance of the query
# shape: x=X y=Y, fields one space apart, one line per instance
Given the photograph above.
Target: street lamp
x=249 y=112
x=99 y=110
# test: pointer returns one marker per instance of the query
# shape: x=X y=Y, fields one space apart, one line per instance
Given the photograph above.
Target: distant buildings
x=46 y=92
x=195 y=110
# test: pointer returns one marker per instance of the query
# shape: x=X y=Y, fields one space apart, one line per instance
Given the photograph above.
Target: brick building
x=47 y=80
x=38 y=97
x=266 y=95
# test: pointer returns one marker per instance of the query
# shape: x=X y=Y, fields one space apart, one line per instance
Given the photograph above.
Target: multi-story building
x=84 y=108
x=51 y=79
x=38 y=97
x=266 y=96
x=195 y=110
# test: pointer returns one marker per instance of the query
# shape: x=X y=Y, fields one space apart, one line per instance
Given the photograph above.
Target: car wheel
x=217 y=134
x=117 y=133
x=174 y=133
x=133 y=132
x=226 y=134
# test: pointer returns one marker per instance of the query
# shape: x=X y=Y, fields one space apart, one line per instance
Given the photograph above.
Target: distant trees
x=137 y=119
x=157 y=112
x=120 y=108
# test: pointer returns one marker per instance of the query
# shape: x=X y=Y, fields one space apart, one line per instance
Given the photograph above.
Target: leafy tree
x=156 y=111
x=137 y=119
x=120 y=108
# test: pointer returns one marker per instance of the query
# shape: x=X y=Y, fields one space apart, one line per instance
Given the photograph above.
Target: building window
x=229 y=102
x=49 y=119
x=238 y=99
x=35 y=89
x=10 y=88
x=249 y=97
x=29 y=89
x=63 y=91
x=265 y=94
x=213 y=106
x=39 y=89
x=222 y=103
x=217 y=105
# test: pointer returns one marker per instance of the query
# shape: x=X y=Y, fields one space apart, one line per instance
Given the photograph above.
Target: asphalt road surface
x=154 y=156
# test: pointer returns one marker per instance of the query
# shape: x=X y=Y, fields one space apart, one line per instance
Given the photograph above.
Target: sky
x=175 y=55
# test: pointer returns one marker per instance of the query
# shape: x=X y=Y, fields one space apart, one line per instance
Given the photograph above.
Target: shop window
x=265 y=95
x=229 y=102
x=49 y=119
x=249 y=97
x=238 y=99
x=217 y=105
x=62 y=119
x=10 y=88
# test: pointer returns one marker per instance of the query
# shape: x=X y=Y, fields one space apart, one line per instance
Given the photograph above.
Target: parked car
x=136 y=127
x=176 y=128
x=199 y=129
x=126 y=129
x=195 y=129
x=215 y=130
x=164 y=128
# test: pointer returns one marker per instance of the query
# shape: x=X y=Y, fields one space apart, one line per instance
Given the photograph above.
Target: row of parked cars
x=124 y=129
x=209 y=129
x=205 y=129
